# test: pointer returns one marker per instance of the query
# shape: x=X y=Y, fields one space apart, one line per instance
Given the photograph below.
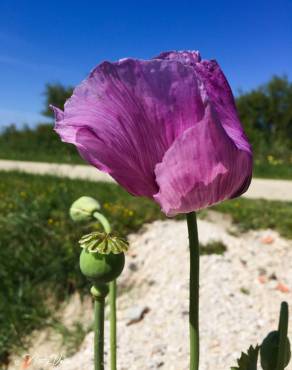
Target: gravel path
x=240 y=295
x=260 y=188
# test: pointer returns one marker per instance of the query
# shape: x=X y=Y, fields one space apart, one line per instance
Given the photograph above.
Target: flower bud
x=83 y=208
x=101 y=268
x=270 y=349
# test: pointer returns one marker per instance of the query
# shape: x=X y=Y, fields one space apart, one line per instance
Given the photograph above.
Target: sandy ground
x=260 y=188
x=240 y=296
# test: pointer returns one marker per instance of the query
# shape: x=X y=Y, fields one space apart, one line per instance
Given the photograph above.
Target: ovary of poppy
x=165 y=128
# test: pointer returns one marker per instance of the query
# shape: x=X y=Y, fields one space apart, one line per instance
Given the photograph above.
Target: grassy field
x=38 y=242
x=267 y=170
x=41 y=144
x=250 y=214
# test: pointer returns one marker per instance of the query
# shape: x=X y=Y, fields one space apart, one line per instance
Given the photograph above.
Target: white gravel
x=230 y=320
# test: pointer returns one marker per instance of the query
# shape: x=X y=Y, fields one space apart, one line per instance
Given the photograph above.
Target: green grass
x=39 y=144
x=250 y=214
x=72 y=337
x=269 y=171
x=213 y=247
x=39 y=250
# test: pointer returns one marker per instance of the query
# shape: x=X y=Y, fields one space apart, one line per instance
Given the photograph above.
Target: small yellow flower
x=270 y=158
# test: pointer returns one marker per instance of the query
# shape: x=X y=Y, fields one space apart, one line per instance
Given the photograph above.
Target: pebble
x=136 y=314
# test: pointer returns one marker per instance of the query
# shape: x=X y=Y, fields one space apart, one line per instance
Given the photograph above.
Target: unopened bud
x=270 y=349
x=83 y=209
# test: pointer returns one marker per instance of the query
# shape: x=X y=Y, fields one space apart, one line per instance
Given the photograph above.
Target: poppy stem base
x=113 y=324
x=99 y=293
x=194 y=290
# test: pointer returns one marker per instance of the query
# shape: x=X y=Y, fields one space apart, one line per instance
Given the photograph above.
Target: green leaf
x=248 y=361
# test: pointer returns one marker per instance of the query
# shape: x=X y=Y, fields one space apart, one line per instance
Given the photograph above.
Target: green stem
x=283 y=331
x=99 y=293
x=103 y=220
x=112 y=301
x=194 y=291
x=113 y=324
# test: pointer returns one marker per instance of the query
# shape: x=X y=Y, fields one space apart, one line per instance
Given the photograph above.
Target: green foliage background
x=266 y=114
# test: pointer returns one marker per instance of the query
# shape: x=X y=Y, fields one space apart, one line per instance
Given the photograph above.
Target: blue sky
x=61 y=41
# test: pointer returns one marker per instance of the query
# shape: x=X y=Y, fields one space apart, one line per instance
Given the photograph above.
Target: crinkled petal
x=217 y=91
x=190 y=57
x=66 y=131
x=201 y=168
x=127 y=114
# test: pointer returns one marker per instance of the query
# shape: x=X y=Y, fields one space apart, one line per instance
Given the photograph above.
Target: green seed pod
x=83 y=209
x=269 y=351
x=101 y=268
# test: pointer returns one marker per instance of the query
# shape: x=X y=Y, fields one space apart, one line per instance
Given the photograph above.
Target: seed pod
x=101 y=268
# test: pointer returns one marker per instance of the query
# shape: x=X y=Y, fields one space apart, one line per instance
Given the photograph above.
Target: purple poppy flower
x=165 y=128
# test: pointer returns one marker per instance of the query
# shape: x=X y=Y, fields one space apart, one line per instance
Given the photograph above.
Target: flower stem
x=113 y=324
x=283 y=330
x=99 y=334
x=103 y=221
x=112 y=301
x=99 y=293
x=194 y=290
